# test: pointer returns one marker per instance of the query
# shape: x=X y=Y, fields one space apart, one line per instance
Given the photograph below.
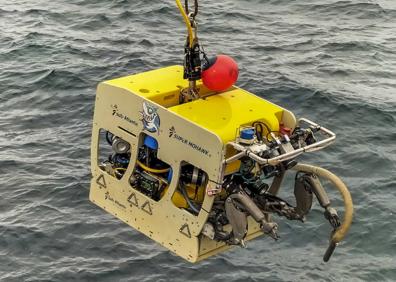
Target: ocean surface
x=331 y=61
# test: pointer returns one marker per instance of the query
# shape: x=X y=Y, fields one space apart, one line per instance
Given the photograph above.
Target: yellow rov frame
x=171 y=136
x=201 y=132
x=195 y=132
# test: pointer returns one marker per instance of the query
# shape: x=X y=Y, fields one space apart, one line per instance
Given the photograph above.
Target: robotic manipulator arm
x=266 y=157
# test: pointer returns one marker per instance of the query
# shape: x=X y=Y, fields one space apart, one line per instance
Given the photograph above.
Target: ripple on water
x=331 y=61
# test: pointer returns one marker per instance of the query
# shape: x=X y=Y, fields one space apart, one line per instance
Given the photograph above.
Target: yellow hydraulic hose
x=187 y=21
x=153 y=170
x=341 y=232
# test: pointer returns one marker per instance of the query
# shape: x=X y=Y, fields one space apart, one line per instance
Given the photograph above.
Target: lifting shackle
x=192 y=15
x=192 y=50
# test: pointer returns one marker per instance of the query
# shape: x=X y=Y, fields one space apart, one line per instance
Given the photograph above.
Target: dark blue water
x=331 y=61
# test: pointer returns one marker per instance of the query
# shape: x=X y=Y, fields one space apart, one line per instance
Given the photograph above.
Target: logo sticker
x=172 y=131
x=150 y=118
x=116 y=113
x=188 y=142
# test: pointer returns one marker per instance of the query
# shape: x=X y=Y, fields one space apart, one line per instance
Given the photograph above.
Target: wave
x=329 y=61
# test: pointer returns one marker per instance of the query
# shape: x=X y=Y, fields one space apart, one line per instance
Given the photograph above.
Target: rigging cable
x=187 y=20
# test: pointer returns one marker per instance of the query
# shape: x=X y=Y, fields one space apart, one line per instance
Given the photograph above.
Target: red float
x=220 y=73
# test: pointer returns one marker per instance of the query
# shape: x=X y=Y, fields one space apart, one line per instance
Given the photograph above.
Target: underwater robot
x=196 y=163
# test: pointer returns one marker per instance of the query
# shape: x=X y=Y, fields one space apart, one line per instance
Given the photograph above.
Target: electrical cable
x=153 y=170
x=188 y=200
x=261 y=124
x=188 y=23
x=109 y=139
x=120 y=171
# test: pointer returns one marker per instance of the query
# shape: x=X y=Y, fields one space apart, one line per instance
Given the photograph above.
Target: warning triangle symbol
x=147 y=208
x=101 y=181
x=185 y=230
x=133 y=200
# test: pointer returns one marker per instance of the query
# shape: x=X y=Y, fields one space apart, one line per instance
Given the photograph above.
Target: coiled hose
x=341 y=231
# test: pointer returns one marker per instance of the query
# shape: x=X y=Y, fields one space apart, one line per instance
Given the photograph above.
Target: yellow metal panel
x=161 y=86
x=151 y=83
x=224 y=113
x=119 y=111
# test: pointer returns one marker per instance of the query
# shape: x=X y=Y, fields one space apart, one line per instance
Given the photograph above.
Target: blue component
x=151 y=142
x=170 y=174
x=121 y=159
x=247 y=134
